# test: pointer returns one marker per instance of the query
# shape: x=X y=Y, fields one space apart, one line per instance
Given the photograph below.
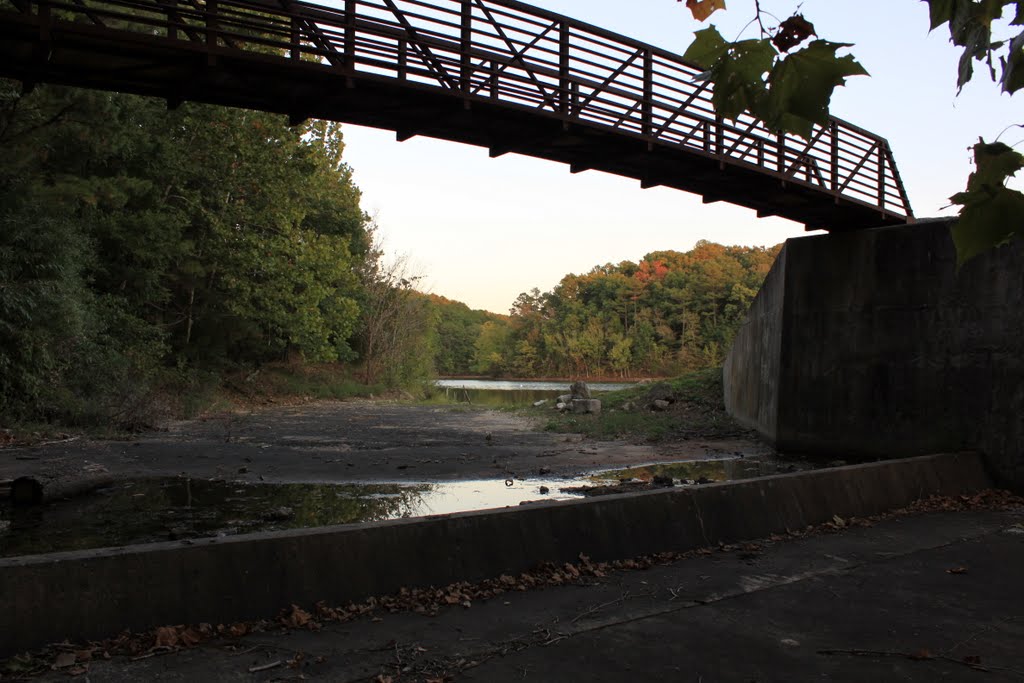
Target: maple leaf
x=702 y=9
x=992 y=214
x=1013 y=66
x=707 y=48
x=739 y=78
x=792 y=32
x=802 y=85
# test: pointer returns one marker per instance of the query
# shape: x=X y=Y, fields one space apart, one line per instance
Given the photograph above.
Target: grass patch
x=272 y=383
x=693 y=407
x=614 y=426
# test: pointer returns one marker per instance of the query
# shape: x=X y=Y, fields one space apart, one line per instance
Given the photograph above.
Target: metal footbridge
x=498 y=74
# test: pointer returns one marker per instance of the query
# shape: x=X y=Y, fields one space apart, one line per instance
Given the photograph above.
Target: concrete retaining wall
x=753 y=361
x=93 y=594
x=881 y=347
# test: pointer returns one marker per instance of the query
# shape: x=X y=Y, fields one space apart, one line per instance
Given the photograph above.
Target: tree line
x=141 y=247
x=666 y=314
x=144 y=252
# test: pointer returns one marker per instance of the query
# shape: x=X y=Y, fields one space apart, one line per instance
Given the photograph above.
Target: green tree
x=457 y=329
x=139 y=238
x=669 y=312
x=491 y=348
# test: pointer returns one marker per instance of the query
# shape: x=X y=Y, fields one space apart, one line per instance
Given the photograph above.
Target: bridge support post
x=647 y=113
x=466 y=46
x=350 y=35
x=565 y=105
x=871 y=343
x=295 y=39
x=211 y=28
x=169 y=7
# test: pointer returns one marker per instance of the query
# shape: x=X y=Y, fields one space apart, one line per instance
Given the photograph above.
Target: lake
x=506 y=393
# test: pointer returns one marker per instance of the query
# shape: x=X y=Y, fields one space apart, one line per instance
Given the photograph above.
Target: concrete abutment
x=872 y=343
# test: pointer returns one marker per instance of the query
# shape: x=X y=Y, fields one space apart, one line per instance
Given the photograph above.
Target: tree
x=791 y=90
x=136 y=240
x=457 y=330
x=397 y=325
x=671 y=311
x=491 y=348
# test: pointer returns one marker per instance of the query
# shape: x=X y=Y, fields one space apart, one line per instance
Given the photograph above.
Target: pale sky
x=483 y=230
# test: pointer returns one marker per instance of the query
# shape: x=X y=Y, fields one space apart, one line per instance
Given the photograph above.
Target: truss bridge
x=498 y=74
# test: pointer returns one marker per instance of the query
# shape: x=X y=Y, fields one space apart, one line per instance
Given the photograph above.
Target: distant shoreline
x=568 y=380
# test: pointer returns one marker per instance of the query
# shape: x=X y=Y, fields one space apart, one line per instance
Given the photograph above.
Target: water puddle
x=702 y=471
x=152 y=510
x=167 y=509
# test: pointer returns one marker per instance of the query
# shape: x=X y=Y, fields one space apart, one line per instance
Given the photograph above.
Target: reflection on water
x=508 y=393
x=515 y=385
x=702 y=470
x=151 y=510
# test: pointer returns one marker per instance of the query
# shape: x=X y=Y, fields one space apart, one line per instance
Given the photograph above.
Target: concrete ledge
x=94 y=594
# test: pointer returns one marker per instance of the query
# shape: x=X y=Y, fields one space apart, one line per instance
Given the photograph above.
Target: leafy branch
x=792 y=91
x=789 y=91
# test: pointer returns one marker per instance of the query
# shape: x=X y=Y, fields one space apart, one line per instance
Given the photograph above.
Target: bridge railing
x=521 y=56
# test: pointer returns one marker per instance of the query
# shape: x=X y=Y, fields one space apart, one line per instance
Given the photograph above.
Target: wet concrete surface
x=918 y=598
x=355 y=441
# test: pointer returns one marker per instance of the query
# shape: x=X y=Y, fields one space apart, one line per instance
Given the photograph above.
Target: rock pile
x=579 y=401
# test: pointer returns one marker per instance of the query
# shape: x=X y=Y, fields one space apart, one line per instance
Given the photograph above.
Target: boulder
x=661 y=391
x=580 y=390
x=660 y=405
x=581 y=406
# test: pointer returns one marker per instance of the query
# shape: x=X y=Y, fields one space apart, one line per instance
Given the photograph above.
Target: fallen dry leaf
x=957 y=570
x=166 y=636
x=702 y=9
x=190 y=637
x=298 y=618
x=64 y=660
x=237 y=630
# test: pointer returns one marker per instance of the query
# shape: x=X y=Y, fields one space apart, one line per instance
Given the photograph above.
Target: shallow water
x=176 y=508
x=516 y=385
x=510 y=393
x=151 y=510
x=703 y=471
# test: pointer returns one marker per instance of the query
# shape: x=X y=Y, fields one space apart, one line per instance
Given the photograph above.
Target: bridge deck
x=494 y=73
